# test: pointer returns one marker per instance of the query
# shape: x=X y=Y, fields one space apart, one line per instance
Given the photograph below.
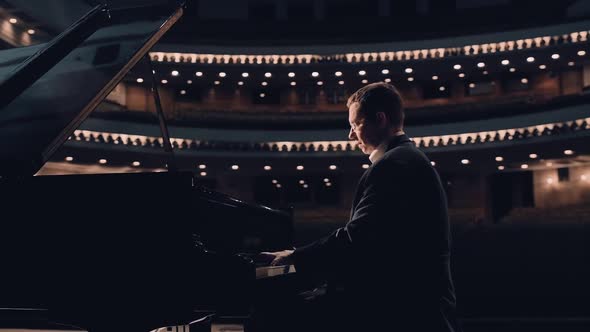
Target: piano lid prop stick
x=163 y=127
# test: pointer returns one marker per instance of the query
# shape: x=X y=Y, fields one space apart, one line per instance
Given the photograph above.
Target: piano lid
x=49 y=89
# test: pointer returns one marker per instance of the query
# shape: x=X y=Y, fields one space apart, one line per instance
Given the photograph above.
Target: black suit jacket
x=392 y=258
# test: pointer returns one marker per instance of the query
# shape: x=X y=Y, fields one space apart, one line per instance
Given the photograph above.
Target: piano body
x=111 y=251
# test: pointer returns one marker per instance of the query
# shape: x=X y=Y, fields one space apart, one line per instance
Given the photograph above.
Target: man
x=389 y=266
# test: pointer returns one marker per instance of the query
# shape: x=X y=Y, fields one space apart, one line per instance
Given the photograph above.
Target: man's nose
x=351 y=134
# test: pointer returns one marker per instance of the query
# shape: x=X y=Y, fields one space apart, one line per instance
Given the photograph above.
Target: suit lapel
x=360 y=187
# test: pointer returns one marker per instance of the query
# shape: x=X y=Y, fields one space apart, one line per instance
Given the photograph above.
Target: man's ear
x=381 y=118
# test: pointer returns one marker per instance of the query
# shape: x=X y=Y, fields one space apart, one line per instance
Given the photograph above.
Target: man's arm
x=371 y=225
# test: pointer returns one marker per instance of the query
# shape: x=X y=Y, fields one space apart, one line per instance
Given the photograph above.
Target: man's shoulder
x=405 y=152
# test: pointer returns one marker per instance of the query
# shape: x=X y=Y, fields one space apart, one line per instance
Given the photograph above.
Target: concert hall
x=295 y=165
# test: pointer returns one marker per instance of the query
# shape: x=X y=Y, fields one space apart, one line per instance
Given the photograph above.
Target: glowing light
x=432 y=163
x=462 y=75
x=533 y=156
x=568 y=152
x=328 y=184
x=68 y=158
x=409 y=70
x=274 y=181
x=13 y=20
x=549 y=164
x=164 y=81
x=410 y=79
x=326 y=180
x=524 y=80
x=341 y=82
x=499 y=158
x=182 y=92
x=501 y=168
x=362 y=73
x=512 y=70
x=481 y=65
x=530 y=59
x=189 y=81
x=524 y=166
x=136 y=163
x=267 y=74
x=174 y=73
x=549 y=180
x=262 y=95
x=320 y=83
x=202 y=166
x=388 y=80
x=279 y=185
x=235 y=167
x=267 y=168
x=245 y=75
x=365 y=166
x=293 y=83
x=471 y=85
x=301 y=181
x=199 y=74
x=581 y=52
x=364 y=81
x=305 y=185
x=216 y=82
x=291 y=74
x=102 y=161
x=542 y=66
x=299 y=167
x=434 y=78
x=264 y=83
x=505 y=62
x=240 y=83
x=457 y=67
x=139 y=80
x=442 y=88
x=571 y=63
x=485 y=72
x=338 y=73
x=385 y=71
x=315 y=74
x=31 y=31
x=203 y=173
x=333 y=167
x=222 y=74
x=465 y=161
x=554 y=56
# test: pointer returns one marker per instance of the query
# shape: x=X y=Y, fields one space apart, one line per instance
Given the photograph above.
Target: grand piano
x=112 y=251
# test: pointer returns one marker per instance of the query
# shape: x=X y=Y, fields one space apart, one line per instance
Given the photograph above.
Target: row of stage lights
x=15 y=21
x=327 y=183
x=203 y=167
x=550 y=180
x=362 y=73
x=235 y=167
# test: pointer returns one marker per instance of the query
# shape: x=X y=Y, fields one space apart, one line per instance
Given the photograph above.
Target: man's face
x=361 y=130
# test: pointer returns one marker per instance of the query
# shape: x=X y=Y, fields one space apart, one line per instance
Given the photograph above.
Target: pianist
x=388 y=268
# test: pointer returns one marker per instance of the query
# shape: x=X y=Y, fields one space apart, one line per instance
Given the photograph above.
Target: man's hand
x=278 y=257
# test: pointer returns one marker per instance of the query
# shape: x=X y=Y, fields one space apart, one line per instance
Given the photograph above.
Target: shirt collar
x=378 y=153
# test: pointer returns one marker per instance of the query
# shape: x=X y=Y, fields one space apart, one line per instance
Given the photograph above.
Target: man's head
x=374 y=112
